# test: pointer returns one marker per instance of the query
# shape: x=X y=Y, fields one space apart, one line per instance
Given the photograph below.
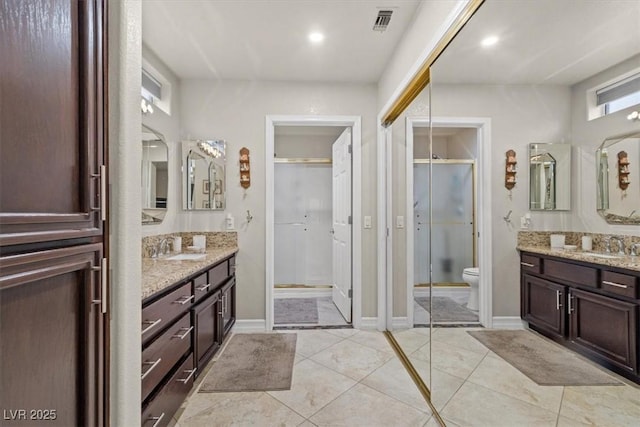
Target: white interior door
x=341 y=175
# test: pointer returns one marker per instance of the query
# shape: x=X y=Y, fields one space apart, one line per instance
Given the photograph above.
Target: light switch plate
x=367 y=221
x=399 y=221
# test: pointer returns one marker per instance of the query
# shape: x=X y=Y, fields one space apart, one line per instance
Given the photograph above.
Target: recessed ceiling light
x=316 y=37
x=489 y=41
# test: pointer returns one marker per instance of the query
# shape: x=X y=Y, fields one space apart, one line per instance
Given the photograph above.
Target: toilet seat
x=471 y=271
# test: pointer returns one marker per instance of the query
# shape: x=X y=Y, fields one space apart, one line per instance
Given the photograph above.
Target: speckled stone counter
x=538 y=242
x=159 y=273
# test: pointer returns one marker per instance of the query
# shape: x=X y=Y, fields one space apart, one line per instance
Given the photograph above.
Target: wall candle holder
x=623 y=170
x=245 y=168
x=510 y=170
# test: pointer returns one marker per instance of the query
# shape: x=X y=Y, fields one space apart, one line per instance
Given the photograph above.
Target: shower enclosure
x=453 y=222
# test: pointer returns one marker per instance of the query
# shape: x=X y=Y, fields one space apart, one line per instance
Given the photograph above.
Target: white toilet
x=471 y=276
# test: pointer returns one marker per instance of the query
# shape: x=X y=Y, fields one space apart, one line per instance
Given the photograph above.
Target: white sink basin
x=605 y=256
x=185 y=257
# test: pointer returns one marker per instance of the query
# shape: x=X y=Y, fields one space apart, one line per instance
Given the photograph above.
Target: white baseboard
x=250 y=325
x=369 y=323
x=451 y=292
x=507 y=322
x=400 y=323
x=301 y=292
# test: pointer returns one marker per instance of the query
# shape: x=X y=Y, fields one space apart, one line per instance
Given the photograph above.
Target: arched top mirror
x=203 y=175
x=155 y=176
x=550 y=177
x=618 y=186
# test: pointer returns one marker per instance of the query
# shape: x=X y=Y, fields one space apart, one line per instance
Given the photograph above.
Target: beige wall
x=235 y=111
x=519 y=115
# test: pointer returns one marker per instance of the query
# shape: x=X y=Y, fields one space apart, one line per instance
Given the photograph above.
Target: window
x=156 y=89
x=615 y=95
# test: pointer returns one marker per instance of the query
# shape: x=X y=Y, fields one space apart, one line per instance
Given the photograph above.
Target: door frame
x=271 y=121
x=483 y=207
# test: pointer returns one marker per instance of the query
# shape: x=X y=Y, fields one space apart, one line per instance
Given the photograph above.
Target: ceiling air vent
x=382 y=20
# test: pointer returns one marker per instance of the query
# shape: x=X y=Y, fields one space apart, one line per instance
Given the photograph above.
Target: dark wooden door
x=604 y=327
x=207 y=329
x=51 y=332
x=543 y=305
x=51 y=132
x=53 y=288
x=228 y=306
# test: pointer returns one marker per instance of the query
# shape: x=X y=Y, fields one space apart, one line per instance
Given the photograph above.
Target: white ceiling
x=542 y=42
x=268 y=40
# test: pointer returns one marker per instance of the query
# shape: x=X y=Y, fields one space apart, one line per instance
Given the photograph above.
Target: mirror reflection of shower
x=542 y=181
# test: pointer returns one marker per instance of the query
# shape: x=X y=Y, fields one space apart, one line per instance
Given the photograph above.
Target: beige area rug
x=542 y=360
x=253 y=362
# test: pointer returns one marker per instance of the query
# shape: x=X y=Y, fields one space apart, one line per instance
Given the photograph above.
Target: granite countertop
x=159 y=273
x=626 y=261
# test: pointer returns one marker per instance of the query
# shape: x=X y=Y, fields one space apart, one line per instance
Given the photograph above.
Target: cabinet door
x=208 y=331
x=51 y=330
x=51 y=127
x=543 y=305
x=228 y=306
x=605 y=327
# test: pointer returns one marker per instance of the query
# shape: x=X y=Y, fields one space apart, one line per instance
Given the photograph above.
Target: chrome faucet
x=616 y=239
x=634 y=249
x=163 y=246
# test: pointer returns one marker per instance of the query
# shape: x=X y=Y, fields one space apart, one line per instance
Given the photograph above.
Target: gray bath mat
x=447 y=310
x=253 y=362
x=544 y=361
x=295 y=310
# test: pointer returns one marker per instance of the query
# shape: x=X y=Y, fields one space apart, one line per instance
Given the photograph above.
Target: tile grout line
x=560 y=407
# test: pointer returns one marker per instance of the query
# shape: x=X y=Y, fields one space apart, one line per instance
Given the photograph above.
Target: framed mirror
x=549 y=177
x=618 y=186
x=203 y=175
x=155 y=176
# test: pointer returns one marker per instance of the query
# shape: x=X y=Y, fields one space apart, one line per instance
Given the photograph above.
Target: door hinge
x=350 y=220
x=350 y=293
x=350 y=148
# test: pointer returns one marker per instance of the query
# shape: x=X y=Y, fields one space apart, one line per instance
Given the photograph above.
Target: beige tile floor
x=345 y=377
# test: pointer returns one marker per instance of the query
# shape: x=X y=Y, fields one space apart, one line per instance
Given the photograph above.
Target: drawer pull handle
x=184 y=300
x=526 y=264
x=558 y=304
x=152 y=324
x=617 y=285
x=191 y=372
x=156 y=419
x=153 y=366
x=204 y=288
x=187 y=331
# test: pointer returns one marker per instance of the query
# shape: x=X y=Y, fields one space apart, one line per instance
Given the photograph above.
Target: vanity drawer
x=573 y=273
x=219 y=273
x=163 y=311
x=201 y=286
x=160 y=410
x=531 y=264
x=620 y=284
x=163 y=353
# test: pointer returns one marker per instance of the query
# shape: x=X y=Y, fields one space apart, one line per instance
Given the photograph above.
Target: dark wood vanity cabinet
x=590 y=308
x=183 y=326
x=543 y=304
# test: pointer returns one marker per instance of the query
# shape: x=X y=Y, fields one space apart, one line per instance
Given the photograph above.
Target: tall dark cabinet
x=53 y=283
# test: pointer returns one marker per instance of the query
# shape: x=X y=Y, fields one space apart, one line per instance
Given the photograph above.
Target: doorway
x=312 y=250
x=448 y=210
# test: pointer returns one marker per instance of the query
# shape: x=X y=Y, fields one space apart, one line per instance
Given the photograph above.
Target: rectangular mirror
x=203 y=175
x=155 y=176
x=549 y=177
x=618 y=196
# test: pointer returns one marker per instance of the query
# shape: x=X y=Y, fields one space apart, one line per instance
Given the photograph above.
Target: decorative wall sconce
x=623 y=170
x=510 y=170
x=245 y=168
